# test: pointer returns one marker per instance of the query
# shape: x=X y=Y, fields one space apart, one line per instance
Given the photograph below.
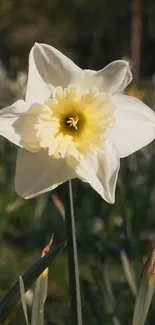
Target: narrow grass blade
x=40 y=295
x=58 y=204
x=93 y=302
x=72 y=258
x=40 y=206
x=128 y=272
x=115 y=321
x=11 y=298
x=40 y=292
x=102 y=280
x=22 y=294
x=145 y=292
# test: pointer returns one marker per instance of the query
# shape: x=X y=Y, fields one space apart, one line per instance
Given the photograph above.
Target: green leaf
x=103 y=282
x=22 y=294
x=40 y=294
x=11 y=298
x=93 y=302
x=145 y=292
x=128 y=270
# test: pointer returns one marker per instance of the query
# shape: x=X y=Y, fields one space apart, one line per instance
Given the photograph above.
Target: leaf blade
x=40 y=295
x=22 y=294
x=13 y=295
x=145 y=292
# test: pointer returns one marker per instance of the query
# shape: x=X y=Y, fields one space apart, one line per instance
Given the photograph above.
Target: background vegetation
x=113 y=240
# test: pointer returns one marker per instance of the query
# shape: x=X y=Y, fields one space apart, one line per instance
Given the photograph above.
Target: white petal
x=100 y=171
x=112 y=79
x=48 y=68
x=8 y=117
x=135 y=125
x=17 y=125
x=37 y=173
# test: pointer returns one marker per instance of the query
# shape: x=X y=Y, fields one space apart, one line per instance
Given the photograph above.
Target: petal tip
x=112 y=201
x=36 y=44
x=126 y=65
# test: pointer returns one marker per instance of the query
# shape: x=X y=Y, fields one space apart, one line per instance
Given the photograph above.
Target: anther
x=73 y=121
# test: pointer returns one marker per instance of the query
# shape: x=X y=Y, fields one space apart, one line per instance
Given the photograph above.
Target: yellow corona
x=73 y=122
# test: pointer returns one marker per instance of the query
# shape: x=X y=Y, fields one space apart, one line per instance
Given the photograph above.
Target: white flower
x=74 y=123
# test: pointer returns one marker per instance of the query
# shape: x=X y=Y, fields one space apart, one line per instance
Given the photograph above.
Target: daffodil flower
x=74 y=123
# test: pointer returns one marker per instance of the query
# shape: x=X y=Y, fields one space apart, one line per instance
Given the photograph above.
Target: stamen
x=73 y=122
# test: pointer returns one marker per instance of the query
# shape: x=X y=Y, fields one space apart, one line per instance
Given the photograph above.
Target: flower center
x=74 y=122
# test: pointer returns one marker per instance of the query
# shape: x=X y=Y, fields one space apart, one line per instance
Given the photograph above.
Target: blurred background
x=113 y=240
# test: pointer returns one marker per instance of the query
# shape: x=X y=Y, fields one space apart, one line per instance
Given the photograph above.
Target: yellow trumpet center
x=74 y=122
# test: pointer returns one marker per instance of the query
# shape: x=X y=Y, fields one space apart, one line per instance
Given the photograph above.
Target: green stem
x=72 y=258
